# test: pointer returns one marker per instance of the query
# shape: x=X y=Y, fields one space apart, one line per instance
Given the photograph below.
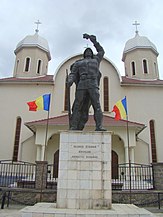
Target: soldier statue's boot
x=100 y=128
x=98 y=119
x=73 y=128
x=74 y=122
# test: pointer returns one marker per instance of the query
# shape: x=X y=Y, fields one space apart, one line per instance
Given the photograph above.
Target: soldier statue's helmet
x=87 y=49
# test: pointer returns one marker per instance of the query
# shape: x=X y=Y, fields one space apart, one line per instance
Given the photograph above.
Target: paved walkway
x=14 y=211
x=155 y=210
x=11 y=211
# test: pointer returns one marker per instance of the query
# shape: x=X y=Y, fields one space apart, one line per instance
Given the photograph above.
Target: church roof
x=138 y=42
x=63 y=120
x=34 y=41
x=145 y=82
x=40 y=79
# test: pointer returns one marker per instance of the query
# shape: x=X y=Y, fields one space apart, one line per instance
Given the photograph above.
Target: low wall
x=32 y=196
x=140 y=198
x=27 y=196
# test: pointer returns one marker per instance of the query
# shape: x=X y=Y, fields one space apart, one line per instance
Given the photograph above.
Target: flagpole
x=42 y=103
x=128 y=144
x=46 y=132
x=45 y=145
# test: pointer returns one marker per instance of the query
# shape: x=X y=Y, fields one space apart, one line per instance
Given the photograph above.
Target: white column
x=132 y=155
x=126 y=155
x=42 y=152
x=38 y=154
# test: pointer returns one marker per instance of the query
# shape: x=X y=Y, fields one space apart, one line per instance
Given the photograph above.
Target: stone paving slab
x=11 y=211
x=16 y=211
x=118 y=210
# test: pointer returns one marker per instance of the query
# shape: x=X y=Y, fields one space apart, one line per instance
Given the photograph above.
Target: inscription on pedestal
x=85 y=152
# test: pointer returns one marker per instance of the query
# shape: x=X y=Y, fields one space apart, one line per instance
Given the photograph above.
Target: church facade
x=34 y=136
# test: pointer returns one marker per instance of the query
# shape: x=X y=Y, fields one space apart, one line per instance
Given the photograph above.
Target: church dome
x=34 y=41
x=138 y=42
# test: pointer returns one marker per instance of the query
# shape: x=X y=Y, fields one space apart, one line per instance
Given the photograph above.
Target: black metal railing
x=132 y=176
x=124 y=176
x=16 y=174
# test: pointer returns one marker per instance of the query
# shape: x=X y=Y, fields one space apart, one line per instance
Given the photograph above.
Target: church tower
x=140 y=58
x=32 y=56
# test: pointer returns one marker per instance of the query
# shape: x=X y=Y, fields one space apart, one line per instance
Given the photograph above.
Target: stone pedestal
x=84 y=180
x=118 y=210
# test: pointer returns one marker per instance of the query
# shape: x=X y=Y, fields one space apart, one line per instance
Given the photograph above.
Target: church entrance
x=56 y=164
x=114 y=165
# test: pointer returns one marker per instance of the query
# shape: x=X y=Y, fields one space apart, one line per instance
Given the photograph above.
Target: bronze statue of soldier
x=86 y=75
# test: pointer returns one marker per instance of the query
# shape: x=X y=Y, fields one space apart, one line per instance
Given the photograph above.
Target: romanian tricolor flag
x=120 y=109
x=41 y=103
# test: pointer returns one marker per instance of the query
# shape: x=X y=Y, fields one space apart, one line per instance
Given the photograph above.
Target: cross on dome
x=37 y=23
x=136 y=24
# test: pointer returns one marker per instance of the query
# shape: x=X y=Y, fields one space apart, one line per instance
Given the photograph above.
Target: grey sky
x=64 y=22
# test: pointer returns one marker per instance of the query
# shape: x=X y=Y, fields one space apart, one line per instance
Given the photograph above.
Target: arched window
x=27 y=64
x=133 y=68
x=39 y=66
x=153 y=141
x=17 y=139
x=106 y=94
x=145 y=69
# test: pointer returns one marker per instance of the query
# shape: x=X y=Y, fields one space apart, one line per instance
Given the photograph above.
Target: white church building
x=34 y=136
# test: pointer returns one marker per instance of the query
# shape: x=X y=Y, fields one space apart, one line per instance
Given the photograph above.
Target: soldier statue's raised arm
x=86 y=75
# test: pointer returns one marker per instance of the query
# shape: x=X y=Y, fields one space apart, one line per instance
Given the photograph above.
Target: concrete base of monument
x=84 y=180
x=117 y=210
